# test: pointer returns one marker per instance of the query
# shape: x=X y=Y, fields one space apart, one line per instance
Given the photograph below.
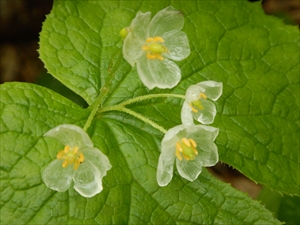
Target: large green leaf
x=255 y=56
x=130 y=195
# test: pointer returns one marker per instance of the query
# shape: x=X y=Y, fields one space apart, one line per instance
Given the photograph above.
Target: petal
x=193 y=93
x=158 y=73
x=139 y=26
x=136 y=38
x=95 y=156
x=207 y=153
x=165 y=166
x=177 y=44
x=166 y=20
x=189 y=170
x=132 y=49
x=56 y=177
x=186 y=114
x=212 y=89
x=87 y=179
x=200 y=132
x=171 y=136
x=207 y=115
x=69 y=134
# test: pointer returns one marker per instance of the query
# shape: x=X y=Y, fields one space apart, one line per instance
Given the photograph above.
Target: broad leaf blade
x=131 y=194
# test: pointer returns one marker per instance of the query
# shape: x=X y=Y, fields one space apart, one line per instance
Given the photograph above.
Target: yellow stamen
x=160 y=57
x=186 y=158
x=148 y=40
x=193 y=109
x=65 y=163
x=186 y=142
x=150 y=56
x=202 y=95
x=154 y=48
x=178 y=154
x=193 y=143
x=60 y=154
x=66 y=149
x=70 y=156
x=158 y=39
x=145 y=48
x=186 y=148
x=178 y=146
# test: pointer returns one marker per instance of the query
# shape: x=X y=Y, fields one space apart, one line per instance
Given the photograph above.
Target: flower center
x=186 y=148
x=70 y=156
x=197 y=105
x=154 y=48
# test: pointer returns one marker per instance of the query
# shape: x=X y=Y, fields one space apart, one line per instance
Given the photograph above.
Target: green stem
x=133 y=113
x=146 y=97
x=95 y=107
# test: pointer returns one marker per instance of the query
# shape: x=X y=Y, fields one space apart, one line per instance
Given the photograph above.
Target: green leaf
x=130 y=195
x=255 y=56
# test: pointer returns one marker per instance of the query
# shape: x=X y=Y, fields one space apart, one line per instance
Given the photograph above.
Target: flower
x=152 y=44
x=80 y=161
x=192 y=147
x=196 y=104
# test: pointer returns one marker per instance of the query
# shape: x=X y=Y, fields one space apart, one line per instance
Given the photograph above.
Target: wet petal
x=132 y=49
x=207 y=115
x=199 y=132
x=56 y=177
x=140 y=25
x=158 y=73
x=132 y=46
x=166 y=20
x=212 y=89
x=87 y=179
x=71 y=135
x=189 y=170
x=207 y=153
x=99 y=160
x=177 y=44
x=186 y=114
x=165 y=166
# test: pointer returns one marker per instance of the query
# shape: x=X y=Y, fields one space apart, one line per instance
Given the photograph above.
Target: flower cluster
x=191 y=146
x=152 y=45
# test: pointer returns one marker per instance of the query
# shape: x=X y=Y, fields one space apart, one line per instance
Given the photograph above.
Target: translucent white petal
x=199 y=132
x=56 y=177
x=212 y=89
x=193 y=93
x=207 y=153
x=186 y=114
x=158 y=73
x=99 y=160
x=207 y=115
x=166 y=20
x=87 y=179
x=69 y=134
x=132 y=49
x=171 y=136
x=177 y=44
x=139 y=26
x=189 y=170
x=165 y=166
x=136 y=38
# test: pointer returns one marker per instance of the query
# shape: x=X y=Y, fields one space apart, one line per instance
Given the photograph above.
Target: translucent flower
x=197 y=105
x=152 y=44
x=192 y=147
x=79 y=161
